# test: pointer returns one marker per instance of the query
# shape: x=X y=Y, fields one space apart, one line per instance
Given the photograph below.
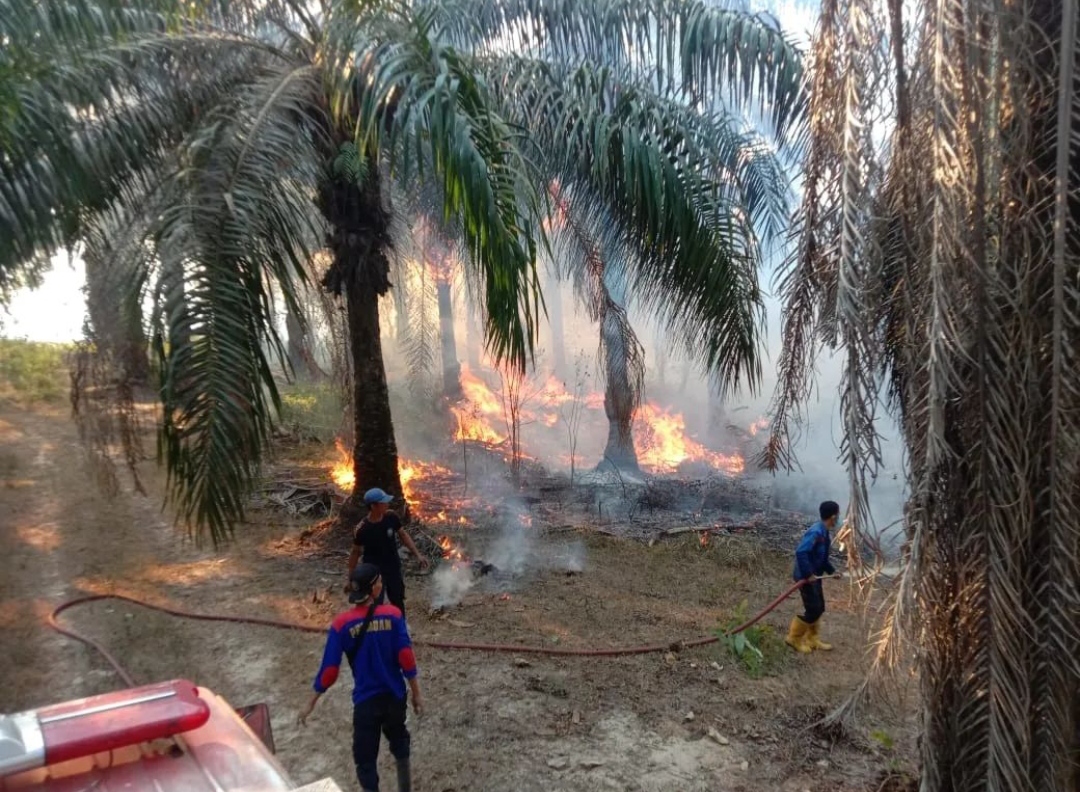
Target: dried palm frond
x=953 y=279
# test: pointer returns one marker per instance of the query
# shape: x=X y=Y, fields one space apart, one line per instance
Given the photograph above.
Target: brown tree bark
x=360 y=271
x=619 y=404
x=375 y=456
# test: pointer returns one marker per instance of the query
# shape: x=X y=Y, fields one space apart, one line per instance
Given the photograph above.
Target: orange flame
x=342 y=473
x=450 y=550
x=482 y=407
x=758 y=425
x=663 y=444
x=703 y=538
x=411 y=473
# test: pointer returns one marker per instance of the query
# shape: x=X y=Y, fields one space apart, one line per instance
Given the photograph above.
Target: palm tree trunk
x=553 y=299
x=717 y=413
x=472 y=340
x=301 y=356
x=660 y=356
x=375 y=457
x=618 y=400
x=451 y=367
x=116 y=324
x=359 y=238
x=295 y=349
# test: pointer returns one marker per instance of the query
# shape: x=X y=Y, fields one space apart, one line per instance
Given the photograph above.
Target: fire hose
x=54 y=622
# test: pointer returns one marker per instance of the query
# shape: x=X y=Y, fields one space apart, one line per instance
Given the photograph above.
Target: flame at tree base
x=411 y=474
x=664 y=445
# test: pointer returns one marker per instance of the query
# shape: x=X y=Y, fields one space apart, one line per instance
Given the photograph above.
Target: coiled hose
x=54 y=622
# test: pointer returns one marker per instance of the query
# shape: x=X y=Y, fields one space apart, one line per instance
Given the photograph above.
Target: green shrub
x=312 y=409
x=757 y=649
x=33 y=371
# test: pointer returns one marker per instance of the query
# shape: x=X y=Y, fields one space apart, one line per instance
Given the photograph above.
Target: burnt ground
x=493 y=721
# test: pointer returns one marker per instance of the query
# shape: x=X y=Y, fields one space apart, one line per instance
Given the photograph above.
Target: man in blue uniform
x=811 y=562
x=374 y=638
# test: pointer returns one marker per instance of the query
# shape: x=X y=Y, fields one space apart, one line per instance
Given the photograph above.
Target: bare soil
x=493 y=721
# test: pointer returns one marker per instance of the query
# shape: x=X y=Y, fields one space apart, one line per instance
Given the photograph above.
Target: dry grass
x=492 y=724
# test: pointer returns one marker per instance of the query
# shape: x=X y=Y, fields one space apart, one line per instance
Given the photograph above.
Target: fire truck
x=166 y=737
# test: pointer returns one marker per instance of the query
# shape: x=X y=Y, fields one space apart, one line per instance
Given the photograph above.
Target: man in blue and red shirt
x=376 y=642
x=811 y=562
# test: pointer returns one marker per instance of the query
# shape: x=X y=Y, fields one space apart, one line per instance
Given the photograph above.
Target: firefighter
x=376 y=542
x=375 y=639
x=811 y=562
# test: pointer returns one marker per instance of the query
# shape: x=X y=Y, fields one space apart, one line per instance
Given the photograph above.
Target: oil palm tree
x=245 y=136
x=948 y=271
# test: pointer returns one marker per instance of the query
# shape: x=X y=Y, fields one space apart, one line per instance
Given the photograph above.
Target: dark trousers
x=394 y=592
x=372 y=718
x=813 y=600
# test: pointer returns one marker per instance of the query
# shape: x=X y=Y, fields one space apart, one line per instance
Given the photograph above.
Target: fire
x=703 y=539
x=450 y=550
x=342 y=473
x=595 y=401
x=481 y=407
x=416 y=471
x=758 y=425
x=411 y=473
x=663 y=444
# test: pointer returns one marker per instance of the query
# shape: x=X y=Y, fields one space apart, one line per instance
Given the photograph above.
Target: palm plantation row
x=205 y=154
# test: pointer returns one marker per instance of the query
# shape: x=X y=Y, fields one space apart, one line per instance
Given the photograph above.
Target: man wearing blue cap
x=376 y=542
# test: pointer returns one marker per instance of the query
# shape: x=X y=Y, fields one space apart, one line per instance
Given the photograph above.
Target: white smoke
x=450 y=584
x=511 y=550
x=515 y=551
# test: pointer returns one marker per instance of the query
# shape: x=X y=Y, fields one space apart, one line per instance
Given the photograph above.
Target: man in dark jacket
x=374 y=639
x=375 y=541
x=811 y=562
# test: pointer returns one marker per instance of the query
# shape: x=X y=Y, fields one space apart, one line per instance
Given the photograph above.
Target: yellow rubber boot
x=796 y=637
x=813 y=640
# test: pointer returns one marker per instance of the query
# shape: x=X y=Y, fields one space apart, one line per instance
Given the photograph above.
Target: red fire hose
x=54 y=623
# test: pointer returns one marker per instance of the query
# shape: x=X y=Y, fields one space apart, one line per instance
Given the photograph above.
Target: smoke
x=510 y=552
x=515 y=551
x=570 y=354
x=450 y=583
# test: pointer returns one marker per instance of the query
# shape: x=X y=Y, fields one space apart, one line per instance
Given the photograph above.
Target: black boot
x=404 y=776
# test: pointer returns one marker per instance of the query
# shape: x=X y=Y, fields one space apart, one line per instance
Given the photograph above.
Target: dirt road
x=494 y=722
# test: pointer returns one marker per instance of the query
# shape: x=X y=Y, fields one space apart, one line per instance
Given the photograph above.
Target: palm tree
x=605 y=267
x=116 y=325
x=224 y=127
x=622 y=356
x=439 y=259
x=949 y=273
x=553 y=303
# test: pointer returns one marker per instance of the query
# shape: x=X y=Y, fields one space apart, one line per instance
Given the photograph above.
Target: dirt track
x=492 y=724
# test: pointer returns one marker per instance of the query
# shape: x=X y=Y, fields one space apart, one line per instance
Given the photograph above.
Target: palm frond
x=423 y=103
x=675 y=189
x=583 y=250
x=85 y=120
x=219 y=391
x=713 y=55
x=422 y=343
x=966 y=304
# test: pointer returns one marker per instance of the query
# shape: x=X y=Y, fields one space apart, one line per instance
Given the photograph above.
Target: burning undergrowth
x=500 y=555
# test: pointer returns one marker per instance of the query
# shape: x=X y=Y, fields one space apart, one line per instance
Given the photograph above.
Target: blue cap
x=376 y=495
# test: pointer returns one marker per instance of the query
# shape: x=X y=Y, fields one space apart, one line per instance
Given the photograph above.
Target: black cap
x=828 y=509
x=361 y=581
